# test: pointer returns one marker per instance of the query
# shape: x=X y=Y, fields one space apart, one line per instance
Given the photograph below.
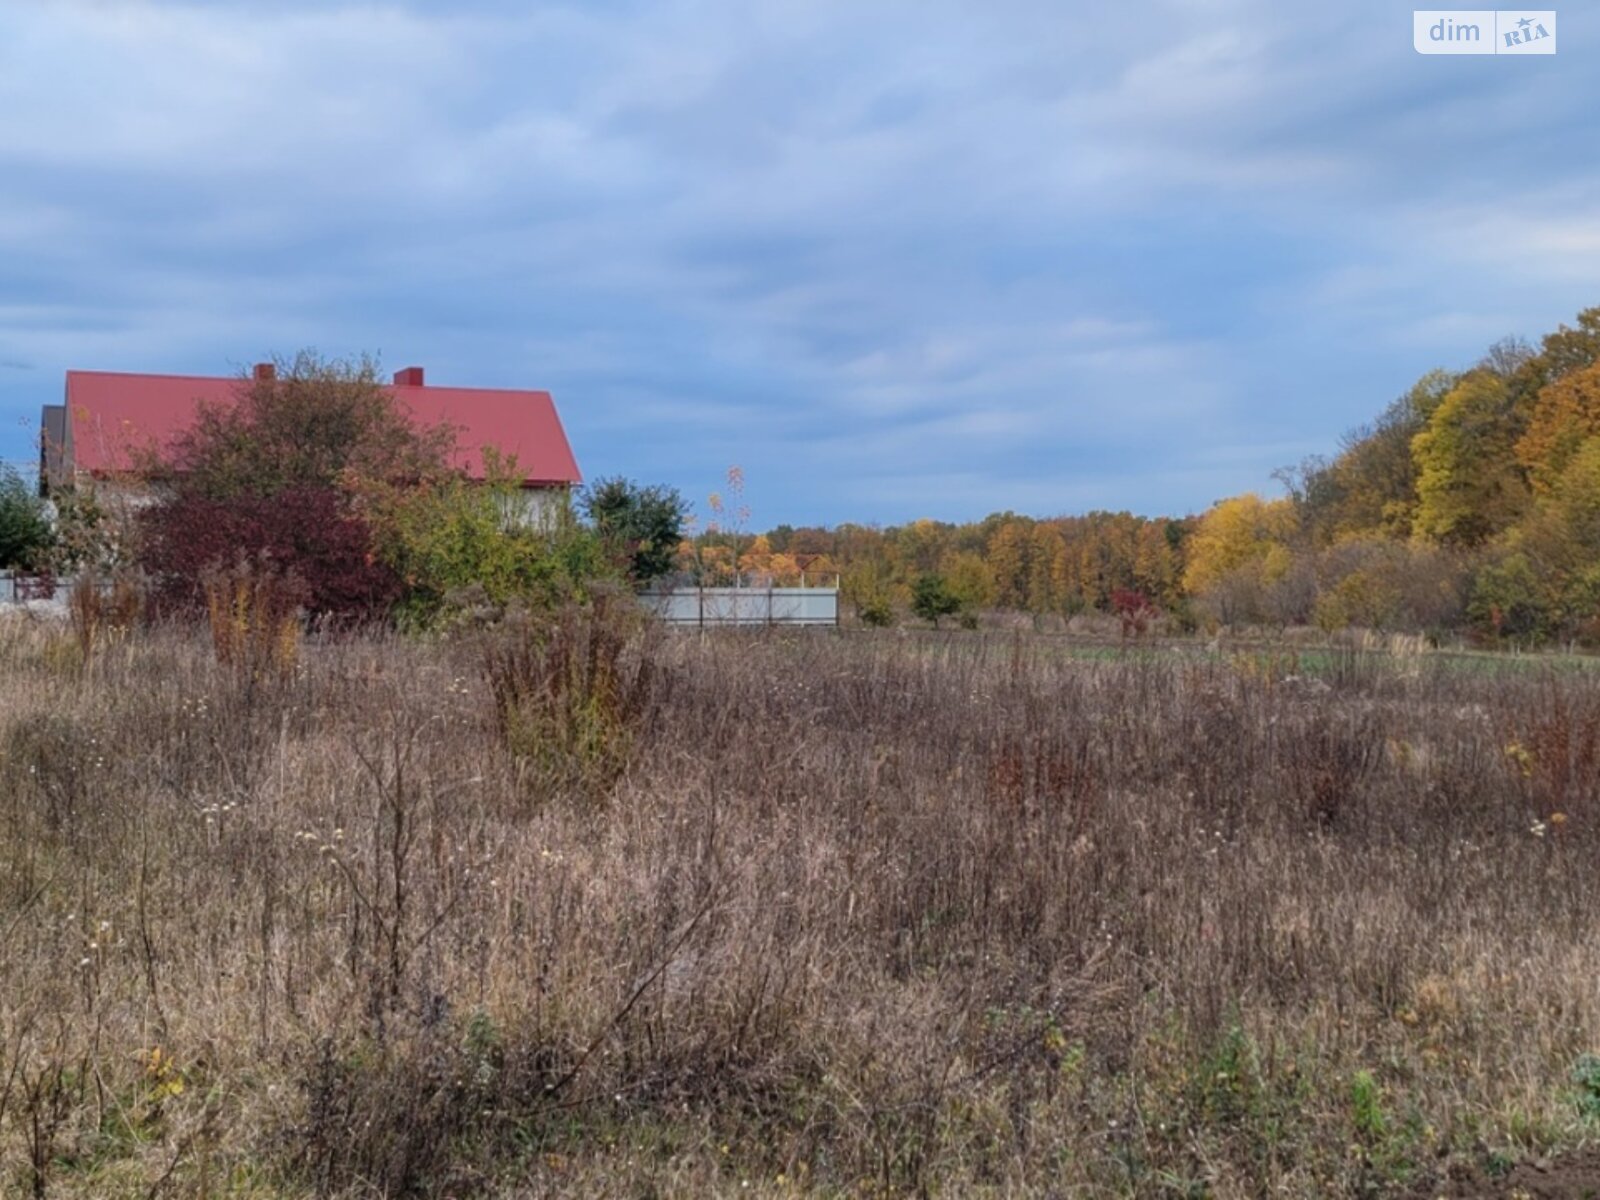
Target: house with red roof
x=113 y=421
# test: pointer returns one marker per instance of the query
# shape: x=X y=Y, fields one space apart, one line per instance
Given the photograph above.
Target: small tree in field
x=871 y=590
x=1134 y=610
x=931 y=598
x=642 y=527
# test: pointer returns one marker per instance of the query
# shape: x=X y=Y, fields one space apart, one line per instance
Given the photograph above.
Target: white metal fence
x=746 y=606
x=712 y=606
x=18 y=587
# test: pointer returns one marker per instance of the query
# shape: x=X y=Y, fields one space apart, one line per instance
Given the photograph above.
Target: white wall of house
x=535 y=507
x=121 y=496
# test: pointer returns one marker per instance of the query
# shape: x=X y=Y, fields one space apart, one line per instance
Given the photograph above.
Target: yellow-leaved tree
x=1238 y=534
x=1469 y=487
x=969 y=579
x=1010 y=561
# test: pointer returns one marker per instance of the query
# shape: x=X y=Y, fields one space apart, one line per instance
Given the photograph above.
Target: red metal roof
x=116 y=419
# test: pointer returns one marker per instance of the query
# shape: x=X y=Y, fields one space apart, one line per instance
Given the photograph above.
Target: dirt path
x=1569 y=1177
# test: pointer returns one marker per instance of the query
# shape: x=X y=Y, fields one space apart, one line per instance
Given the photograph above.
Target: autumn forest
x=1471 y=503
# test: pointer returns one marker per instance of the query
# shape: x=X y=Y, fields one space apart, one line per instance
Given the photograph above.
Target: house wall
x=122 y=497
x=53 y=449
x=535 y=507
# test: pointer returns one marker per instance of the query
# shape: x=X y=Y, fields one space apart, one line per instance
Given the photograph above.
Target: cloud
x=895 y=259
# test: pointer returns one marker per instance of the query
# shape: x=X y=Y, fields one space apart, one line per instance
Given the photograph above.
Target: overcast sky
x=894 y=259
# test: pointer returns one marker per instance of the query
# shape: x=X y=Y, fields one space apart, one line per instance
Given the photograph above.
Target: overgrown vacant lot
x=617 y=914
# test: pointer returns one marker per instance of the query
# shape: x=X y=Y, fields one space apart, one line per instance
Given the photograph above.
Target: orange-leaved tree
x=1565 y=414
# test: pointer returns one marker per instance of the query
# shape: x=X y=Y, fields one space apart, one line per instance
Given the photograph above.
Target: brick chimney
x=264 y=372
x=408 y=377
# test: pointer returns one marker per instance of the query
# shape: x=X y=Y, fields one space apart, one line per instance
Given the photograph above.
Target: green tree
x=1574 y=504
x=1511 y=600
x=25 y=534
x=456 y=542
x=931 y=598
x=641 y=526
x=869 y=586
x=1561 y=538
x=1469 y=487
x=969 y=580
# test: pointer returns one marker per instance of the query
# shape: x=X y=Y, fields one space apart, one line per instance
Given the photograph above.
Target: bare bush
x=253 y=615
x=572 y=689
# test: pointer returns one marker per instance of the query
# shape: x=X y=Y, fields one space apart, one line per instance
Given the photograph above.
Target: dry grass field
x=604 y=912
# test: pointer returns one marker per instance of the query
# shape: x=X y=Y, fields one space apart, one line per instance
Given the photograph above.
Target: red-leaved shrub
x=1134 y=609
x=309 y=533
